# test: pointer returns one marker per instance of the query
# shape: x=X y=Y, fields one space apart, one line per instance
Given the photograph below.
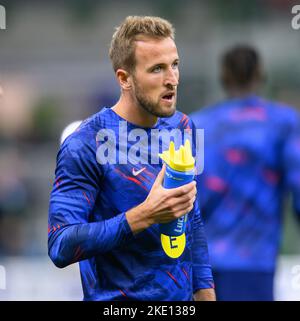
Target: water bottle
x=180 y=170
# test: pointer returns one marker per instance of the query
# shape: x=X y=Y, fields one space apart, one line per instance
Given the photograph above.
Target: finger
x=186 y=201
x=182 y=190
x=183 y=199
x=185 y=204
x=183 y=212
x=160 y=177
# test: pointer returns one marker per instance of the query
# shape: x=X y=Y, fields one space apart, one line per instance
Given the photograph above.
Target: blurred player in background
x=252 y=158
x=106 y=216
x=69 y=129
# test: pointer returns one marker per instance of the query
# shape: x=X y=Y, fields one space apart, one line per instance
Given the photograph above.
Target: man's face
x=156 y=76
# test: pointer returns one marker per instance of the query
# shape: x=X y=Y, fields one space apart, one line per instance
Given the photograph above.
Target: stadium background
x=54 y=69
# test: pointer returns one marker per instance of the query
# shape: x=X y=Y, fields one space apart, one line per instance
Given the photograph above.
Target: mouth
x=168 y=97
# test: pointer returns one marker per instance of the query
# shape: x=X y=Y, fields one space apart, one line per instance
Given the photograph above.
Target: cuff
x=202 y=278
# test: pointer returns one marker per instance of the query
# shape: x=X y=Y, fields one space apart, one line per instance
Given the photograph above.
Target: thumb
x=160 y=177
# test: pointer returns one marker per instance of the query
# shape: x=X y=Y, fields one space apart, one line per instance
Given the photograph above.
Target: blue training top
x=87 y=221
x=252 y=157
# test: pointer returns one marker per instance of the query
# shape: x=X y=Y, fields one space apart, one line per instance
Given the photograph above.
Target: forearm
x=205 y=295
x=138 y=218
x=81 y=241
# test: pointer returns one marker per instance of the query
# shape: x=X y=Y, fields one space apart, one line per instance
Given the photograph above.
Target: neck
x=236 y=92
x=133 y=113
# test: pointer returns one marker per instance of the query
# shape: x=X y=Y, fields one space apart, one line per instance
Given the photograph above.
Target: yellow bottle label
x=173 y=246
x=182 y=159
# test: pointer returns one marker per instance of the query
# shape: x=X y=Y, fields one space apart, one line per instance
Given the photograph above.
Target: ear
x=124 y=79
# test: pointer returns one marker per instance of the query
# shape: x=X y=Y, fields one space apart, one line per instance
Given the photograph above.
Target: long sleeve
x=291 y=161
x=72 y=236
x=202 y=274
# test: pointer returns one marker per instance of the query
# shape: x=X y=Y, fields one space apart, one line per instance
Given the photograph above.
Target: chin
x=168 y=113
x=160 y=111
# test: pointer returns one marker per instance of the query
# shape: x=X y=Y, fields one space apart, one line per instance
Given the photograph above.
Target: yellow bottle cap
x=182 y=159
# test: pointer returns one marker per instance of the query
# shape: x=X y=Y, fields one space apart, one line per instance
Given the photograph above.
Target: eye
x=175 y=65
x=156 y=69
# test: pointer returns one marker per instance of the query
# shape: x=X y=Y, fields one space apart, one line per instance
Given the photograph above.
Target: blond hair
x=122 y=47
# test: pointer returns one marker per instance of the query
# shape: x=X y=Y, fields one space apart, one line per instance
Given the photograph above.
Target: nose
x=172 y=77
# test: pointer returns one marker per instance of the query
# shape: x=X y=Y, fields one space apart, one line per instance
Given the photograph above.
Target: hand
x=165 y=205
x=205 y=295
x=162 y=205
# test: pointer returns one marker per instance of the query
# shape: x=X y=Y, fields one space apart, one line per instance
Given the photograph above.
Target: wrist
x=138 y=218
